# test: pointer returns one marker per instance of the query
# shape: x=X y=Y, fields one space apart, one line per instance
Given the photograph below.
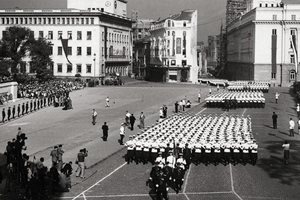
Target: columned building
x=174 y=48
x=263 y=43
x=96 y=35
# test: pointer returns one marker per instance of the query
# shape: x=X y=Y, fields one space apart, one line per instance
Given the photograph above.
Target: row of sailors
x=229 y=152
x=236 y=99
x=249 y=83
x=251 y=88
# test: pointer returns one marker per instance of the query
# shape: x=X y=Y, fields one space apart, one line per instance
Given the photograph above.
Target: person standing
x=107 y=102
x=122 y=133
x=19 y=110
x=127 y=116
x=276 y=97
x=105 y=131
x=27 y=107
x=176 y=107
x=3 y=115
x=292 y=126
x=161 y=113
x=274 y=118
x=13 y=111
x=83 y=153
x=298 y=110
x=94 y=116
x=8 y=113
x=23 y=108
x=54 y=156
x=142 y=120
x=34 y=105
x=165 y=111
x=31 y=104
x=132 y=121
x=199 y=97
x=286 y=152
x=60 y=153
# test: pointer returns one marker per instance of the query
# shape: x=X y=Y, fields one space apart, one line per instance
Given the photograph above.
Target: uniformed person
x=34 y=105
x=8 y=113
x=3 y=115
x=13 y=111
x=19 y=110
x=31 y=104
x=27 y=107
x=23 y=108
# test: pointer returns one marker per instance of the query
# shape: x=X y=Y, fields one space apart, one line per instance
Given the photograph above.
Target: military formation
x=251 y=86
x=230 y=100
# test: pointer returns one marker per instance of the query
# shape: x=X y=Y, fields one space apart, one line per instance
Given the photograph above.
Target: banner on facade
x=64 y=43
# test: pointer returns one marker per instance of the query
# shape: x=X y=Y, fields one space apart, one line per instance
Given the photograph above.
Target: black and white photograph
x=149 y=100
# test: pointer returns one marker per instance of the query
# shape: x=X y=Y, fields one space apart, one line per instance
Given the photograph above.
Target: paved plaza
x=109 y=177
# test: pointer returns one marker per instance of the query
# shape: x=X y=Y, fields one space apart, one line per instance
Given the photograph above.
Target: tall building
x=97 y=41
x=174 y=48
x=234 y=9
x=213 y=51
x=263 y=43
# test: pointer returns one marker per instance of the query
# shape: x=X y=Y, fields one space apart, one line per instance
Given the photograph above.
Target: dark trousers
x=275 y=124
x=276 y=100
x=176 y=109
x=121 y=139
x=286 y=155
x=131 y=126
x=94 y=120
x=105 y=135
x=199 y=99
x=292 y=132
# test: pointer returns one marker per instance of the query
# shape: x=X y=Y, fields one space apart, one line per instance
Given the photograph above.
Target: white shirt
x=94 y=113
x=292 y=124
x=286 y=146
x=122 y=130
x=107 y=99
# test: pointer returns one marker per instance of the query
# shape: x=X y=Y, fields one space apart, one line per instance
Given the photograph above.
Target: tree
x=14 y=45
x=40 y=51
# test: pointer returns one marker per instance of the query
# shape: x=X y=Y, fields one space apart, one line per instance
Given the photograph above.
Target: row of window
x=88 y=68
x=69 y=51
x=116 y=37
x=47 y=20
x=293 y=17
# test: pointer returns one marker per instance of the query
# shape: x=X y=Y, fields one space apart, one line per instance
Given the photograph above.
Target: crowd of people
x=251 y=86
x=236 y=99
x=30 y=178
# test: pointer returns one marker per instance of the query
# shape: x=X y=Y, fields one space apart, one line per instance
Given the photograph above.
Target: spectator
x=142 y=120
x=105 y=132
x=54 y=156
x=132 y=121
x=122 y=133
x=292 y=126
x=83 y=153
x=94 y=117
x=286 y=152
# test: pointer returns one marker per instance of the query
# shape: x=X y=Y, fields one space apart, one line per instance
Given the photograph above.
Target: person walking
x=122 y=133
x=94 y=116
x=292 y=126
x=104 y=131
x=3 y=115
x=23 y=108
x=107 y=102
x=176 y=107
x=142 y=120
x=277 y=97
x=286 y=152
x=298 y=110
x=83 y=153
x=274 y=118
x=132 y=121
x=60 y=153
x=161 y=113
x=165 y=111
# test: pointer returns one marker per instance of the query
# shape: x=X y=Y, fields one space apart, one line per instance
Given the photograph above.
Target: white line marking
x=186 y=180
x=201 y=111
x=244 y=111
x=263 y=198
x=186 y=196
x=82 y=193
x=232 y=185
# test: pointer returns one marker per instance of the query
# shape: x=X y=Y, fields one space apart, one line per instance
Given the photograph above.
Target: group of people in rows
x=229 y=100
x=250 y=86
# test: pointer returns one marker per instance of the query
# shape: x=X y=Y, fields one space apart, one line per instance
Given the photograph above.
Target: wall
x=10 y=88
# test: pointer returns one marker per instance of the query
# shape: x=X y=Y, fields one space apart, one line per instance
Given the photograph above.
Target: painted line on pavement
x=108 y=175
x=185 y=184
x=232 y=185
x=273 y=198
x=201 y=111
x=244 y=111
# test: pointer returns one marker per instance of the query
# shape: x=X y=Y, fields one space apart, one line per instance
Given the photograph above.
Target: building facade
x=260 y=43
x=98 y=42
x=174 y=48
x=234 y=9
x=213 y=51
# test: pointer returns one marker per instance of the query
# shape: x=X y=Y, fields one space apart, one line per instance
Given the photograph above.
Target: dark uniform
x=274 y=118
x=13 y=111
x=45 y=102
x=31 y=106
x=19 y=110
x=3 y=115
x=38 y=104
x=105 y=131
x=23 y=108
x=27 y=107
x=34 y=105
x=8 y=113
x=176 y=107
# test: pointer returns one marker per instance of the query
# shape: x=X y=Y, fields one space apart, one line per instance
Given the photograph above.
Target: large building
x=174 y=48
x=97 y=34
x=213 y=51
x=260 y=43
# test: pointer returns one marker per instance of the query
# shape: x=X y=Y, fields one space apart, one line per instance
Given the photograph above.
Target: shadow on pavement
x=274 y=166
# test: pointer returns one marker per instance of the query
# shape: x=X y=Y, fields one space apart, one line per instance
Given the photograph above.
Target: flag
x=64 y=43
x=295 y=54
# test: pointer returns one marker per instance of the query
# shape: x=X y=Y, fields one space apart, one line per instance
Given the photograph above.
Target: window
x=89 y=51
x=78 y=68
x=169 y=23
x=59 y=51
x=59 y=68
x=41 y=34
x=35 y=20
x=92 y=20
x=59 y=35
x=73 y=21
x=274 y=31
x=77 y=20
x=70 y=35
x=275 y=17
x=266 y=5
x=88 y=68
x=292 y=58
x=109 y=37
x=58 y=20
x=44 y=20
x=292 y=75
x=69 y=51
x=87 y=21
x=293 y=17
x=79 y=35
x=82 y=20
x=89 y=35
x=68 y=20
x=49 y=20
x=50 y=35
x=102 y=51
x=273 y=75
x=79 y=51
x=53 y=20
x=63 y=20
x=51 y=50
x=69 y=68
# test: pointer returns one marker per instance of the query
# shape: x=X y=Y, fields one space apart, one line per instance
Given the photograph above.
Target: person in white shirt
x=298 y=110
x=292 y=126
x=94 y=116
x=107 y=102
x=181 y=163
x=122 y=133
x=199 y=97
x=286 y=152
x=276 y=97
